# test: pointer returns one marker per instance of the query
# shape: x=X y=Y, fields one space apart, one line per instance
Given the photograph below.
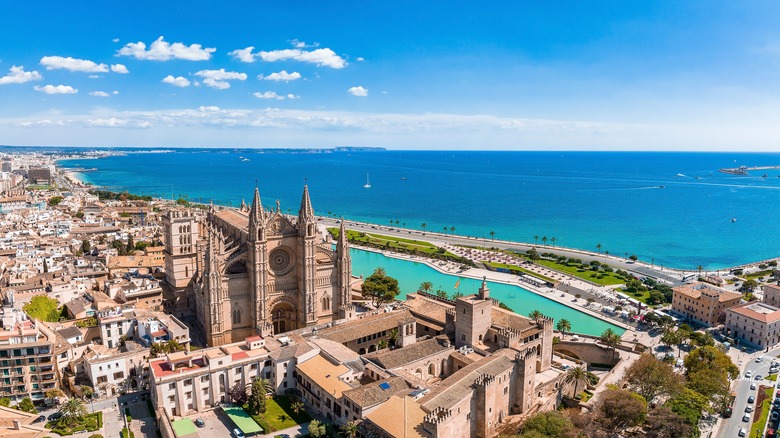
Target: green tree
x=621 y=409
x=259 y=390
x=452 y=230
x=689 y=405
x=43 y=308
x=85 y=246
x=382 y=344
x=544 y=240
x=633 y=257
x=130 y=245
x=54 y=393
x=393 y=336
x=651 y=378
x=441 y=293
x=426 y=286
x=380 y=287
x=492 y=235
x=423 y=225
x=86 y=391
x=73 y=409
x=5 y=401
x=350 y=429
x=576 y=375
x=54 y=201
x=663 y=423
x=563 y=326
x=550 y=424
x=535 y=314
x=297 y=407
x=26 y=405
x=598 y=247
x=707 y=371
x=317 y=429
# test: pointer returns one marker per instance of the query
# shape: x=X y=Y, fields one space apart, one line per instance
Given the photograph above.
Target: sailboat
x=368 y=183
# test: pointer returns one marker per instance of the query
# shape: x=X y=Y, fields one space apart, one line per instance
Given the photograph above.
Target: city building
x=756 y=324
x=703 y=303
x=771 y=294
x=255 y=271
x=27 y=357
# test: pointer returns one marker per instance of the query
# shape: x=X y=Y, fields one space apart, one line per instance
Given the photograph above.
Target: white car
x=749 y=374
x=753 y=385
x=746 y=418
x=742 y=431
x=759 y=359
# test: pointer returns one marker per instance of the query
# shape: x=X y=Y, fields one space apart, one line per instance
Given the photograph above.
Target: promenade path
x=672 y=276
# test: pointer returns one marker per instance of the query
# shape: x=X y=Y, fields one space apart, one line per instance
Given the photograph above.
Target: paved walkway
x=297 y=430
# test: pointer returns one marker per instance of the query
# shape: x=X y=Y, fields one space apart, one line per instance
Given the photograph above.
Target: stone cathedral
x=256 y=271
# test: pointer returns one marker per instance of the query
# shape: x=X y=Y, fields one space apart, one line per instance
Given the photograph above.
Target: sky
x=501 y=75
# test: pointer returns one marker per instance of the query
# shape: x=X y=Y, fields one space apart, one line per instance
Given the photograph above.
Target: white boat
x=368 y=183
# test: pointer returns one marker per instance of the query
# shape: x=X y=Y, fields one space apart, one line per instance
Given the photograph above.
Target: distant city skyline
x=406 y=75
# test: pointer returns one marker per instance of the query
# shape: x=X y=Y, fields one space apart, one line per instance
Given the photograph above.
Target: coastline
x=498 y=277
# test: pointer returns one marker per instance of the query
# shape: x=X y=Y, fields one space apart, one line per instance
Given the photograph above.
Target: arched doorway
x=284 y=317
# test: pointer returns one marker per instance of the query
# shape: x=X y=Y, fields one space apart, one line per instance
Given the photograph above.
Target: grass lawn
x=759 y=274
x=391 y=241
x=772 y=377
x=279 y=415
x=585 y=396
x=762 y=412
x=523 y=270
x=89 y=423
x=609 y=278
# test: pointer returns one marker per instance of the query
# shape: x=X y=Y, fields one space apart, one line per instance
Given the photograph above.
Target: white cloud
x=161 y=50
x=360 y=58
x=358 y=91
x=322 y=57
x=119 y=68
x=268 y=95
x=292 y=96
x=99 y=94
x=302 y=45
x=114 y=122
x=281 y=76
x=179 y=81
x=72 y=64
x=115 y=92
x=94 y=76
x=218 y=78
x=243 y=55
x=56 y=89
x=17 y=75
x=116 y=40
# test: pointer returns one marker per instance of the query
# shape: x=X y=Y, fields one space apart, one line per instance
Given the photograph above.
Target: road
x=730 y=426
x=673 y=277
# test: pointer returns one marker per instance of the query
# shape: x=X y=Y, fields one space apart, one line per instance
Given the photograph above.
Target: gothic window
x=186 y=271
x=236 y=315
x=325 y=303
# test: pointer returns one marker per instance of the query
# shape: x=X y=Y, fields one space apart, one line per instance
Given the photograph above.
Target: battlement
x=525 y=355
x=438 y=415
x=508 y=333
x=544 y=321
x=485 y=380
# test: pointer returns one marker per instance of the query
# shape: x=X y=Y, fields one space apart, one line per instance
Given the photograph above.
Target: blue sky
x=602 y=75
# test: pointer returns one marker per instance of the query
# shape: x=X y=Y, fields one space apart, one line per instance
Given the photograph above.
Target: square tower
x=180 y=230
x=473 y=317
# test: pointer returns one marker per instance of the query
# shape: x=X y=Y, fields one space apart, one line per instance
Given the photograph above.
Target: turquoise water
x=411 y=274
x=671 y=209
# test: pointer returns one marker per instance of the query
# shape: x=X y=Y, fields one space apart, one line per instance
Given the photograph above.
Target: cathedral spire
x=306 y=213
x=343 y=243
x=257 y=206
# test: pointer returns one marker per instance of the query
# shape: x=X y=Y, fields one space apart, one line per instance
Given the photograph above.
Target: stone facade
x=256 y=271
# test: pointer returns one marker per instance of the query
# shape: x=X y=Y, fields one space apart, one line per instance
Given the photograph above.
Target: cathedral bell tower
x=258 y=251
x=344 y=268
x=307 y=231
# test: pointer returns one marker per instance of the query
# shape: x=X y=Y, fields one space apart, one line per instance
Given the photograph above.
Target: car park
x=758 y=377
x=774 y=416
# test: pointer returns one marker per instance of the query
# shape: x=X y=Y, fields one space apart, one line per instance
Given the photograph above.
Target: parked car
x=238 y=434
x=55 y=416
x=746 y=418
x=751 y=399
x=749 y=374
x=200 y=423
x=753 y=385
x=40 y=419
x=749 y=409
x=759 y=359
x=742 y=431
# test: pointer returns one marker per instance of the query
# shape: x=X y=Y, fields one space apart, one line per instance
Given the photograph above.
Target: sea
x=670 y=209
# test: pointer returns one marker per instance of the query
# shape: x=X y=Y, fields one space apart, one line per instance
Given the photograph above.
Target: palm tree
x=611 y=340
x=536 y=239
x=563 y=326
x=700 y=268
x=393 y=336
x=445 y=230
x=576 y=375
x=382 y=344
x=492 y=235
x=73 y=409
x=544 y=240
x=426 y=286
x=552 y=239
x=535 y=314
x=350 y=429
x=452 y=230
x=598 y=247
x=297 y=407
x=423 y=225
